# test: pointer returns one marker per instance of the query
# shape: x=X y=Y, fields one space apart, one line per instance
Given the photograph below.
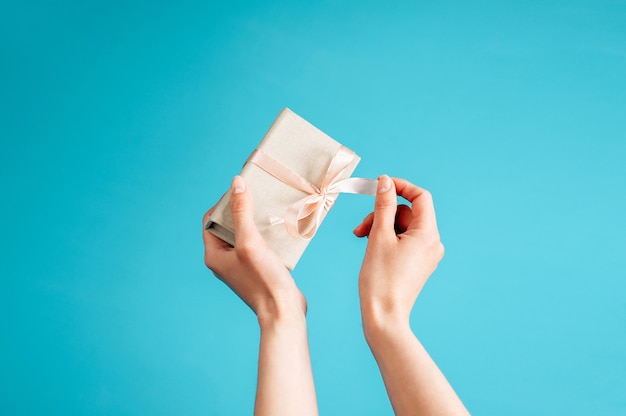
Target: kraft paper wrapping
x=304 y=149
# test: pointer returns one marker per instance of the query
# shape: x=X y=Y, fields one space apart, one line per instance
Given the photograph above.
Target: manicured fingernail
x=238 y=185
x=384 y=184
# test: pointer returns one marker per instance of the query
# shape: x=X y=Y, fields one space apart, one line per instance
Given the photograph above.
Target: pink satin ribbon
x=304 y=216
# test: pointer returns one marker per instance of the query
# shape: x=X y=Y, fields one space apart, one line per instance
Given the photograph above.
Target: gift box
x=295 y=175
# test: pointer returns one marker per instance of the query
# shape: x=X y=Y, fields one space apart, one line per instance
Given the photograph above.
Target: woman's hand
x=255 y=273
x=251 y=269
x=402 y=252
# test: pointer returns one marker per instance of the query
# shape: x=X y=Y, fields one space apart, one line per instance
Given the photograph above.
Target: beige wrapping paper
x=304 y=149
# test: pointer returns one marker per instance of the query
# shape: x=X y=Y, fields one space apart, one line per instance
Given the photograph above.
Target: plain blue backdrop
x=123 y=122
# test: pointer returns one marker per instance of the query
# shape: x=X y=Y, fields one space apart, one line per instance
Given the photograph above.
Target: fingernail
x=238 y=185
x=384 y=183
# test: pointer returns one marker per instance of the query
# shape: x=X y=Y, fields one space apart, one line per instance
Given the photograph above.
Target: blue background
x=122 y=123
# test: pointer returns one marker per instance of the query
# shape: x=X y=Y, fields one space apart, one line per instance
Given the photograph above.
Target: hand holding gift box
x=295 y=176
x=403 y=249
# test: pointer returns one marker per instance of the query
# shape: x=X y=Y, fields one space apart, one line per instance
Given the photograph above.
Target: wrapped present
x=295 y=175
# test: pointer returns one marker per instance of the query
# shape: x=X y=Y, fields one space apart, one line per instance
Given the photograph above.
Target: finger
x=222 y=264
x=206 y=216
x=363 y=229
x=217 y=252
x=422 y=208
x=403 y=218
x=242 y=210
x=211 y=242
x=385 y=207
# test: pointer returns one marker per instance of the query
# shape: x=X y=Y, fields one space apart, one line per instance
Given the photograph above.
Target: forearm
x=285 y=380
x=414 y=383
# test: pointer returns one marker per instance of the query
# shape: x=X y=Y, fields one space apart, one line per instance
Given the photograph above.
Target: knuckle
x=427 y=195
x=246 y=250
x=238 y=205
x=434 y=245
x=210 y=261
x=440 y=250
x=219 y=276
x=384 y=204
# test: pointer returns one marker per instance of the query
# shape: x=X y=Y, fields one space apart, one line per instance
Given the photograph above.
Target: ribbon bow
x=304 y=216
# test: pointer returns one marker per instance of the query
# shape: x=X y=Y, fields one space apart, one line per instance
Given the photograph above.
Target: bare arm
x=256 y=274
x=402 y=252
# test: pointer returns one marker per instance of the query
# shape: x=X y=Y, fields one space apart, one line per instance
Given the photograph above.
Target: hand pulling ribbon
x=304 y=216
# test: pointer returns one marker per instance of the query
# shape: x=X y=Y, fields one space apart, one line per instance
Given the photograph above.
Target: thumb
x=242 y=210
x=385 y=207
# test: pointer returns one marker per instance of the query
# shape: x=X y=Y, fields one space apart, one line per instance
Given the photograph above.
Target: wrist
x=386 y=335
x=382 y=320
x=281 y=311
